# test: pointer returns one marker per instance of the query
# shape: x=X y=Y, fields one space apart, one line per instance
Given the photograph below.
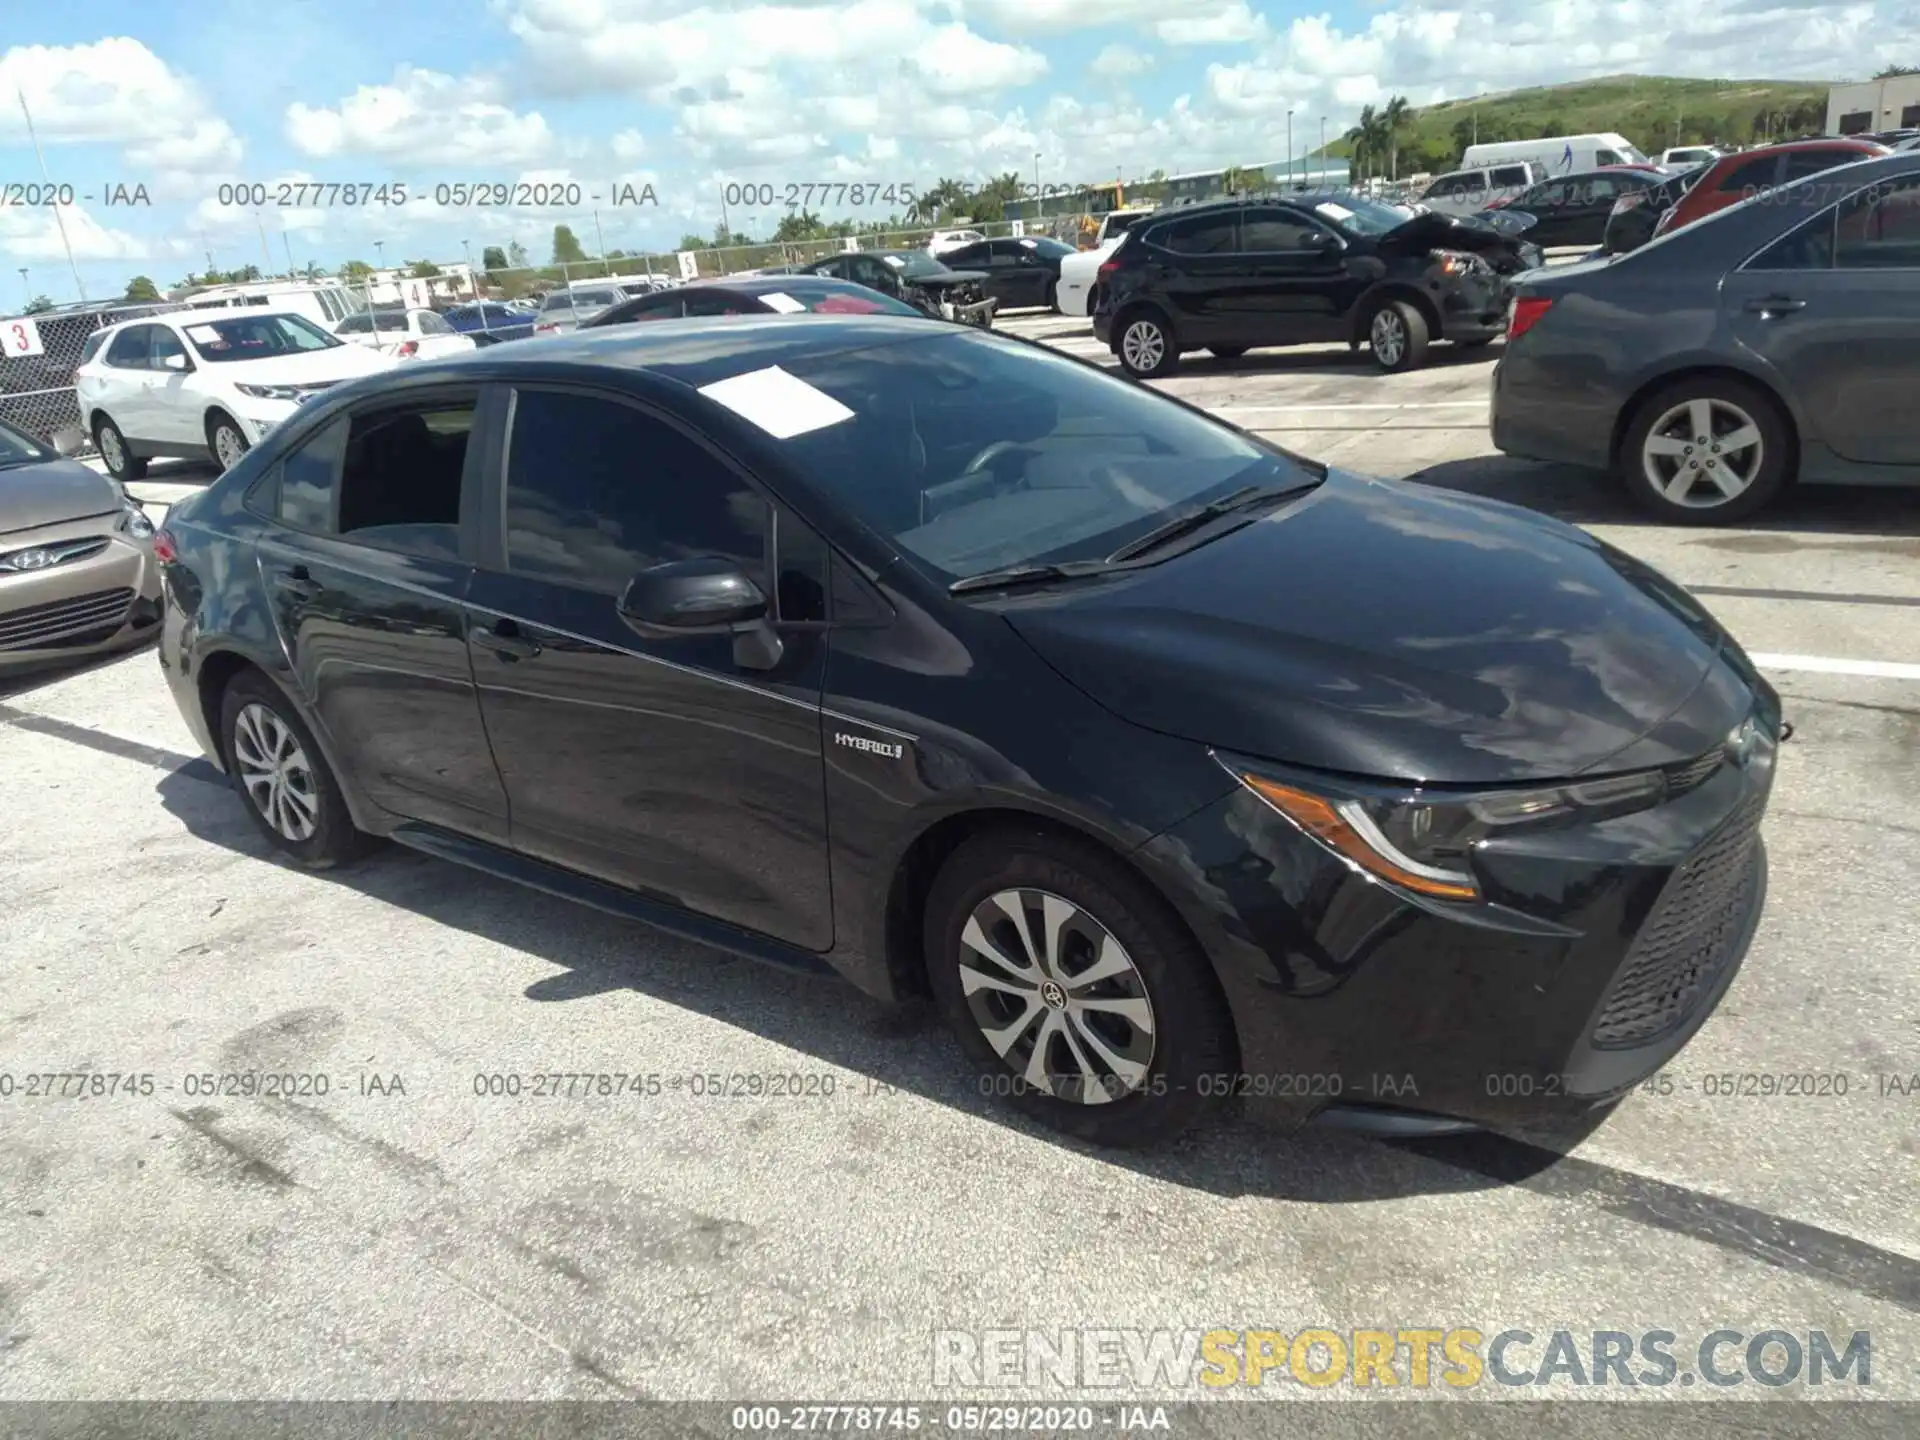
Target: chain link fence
x=36 y=391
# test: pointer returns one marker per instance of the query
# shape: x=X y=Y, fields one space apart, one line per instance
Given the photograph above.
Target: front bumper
x=91 y=605
x=259 y=417
x=980 y=312
x=1602 y=951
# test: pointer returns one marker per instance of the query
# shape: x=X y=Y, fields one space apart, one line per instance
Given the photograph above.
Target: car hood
x=946 y=279
x=1374 y=628
x=312 y=367
x=53 y=491
x=1435 y=231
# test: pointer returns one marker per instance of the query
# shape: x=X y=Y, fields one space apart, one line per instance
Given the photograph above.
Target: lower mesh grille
x=39 y=626
x=1688 y=939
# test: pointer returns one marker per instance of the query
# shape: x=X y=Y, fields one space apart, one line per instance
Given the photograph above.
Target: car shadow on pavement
x=905 y=1049
x=1327 y=360
x=1590 y=497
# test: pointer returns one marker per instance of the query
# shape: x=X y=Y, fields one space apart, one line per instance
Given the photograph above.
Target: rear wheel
x=122 y=464
x=1052 y=300
x=282 y=777
x=1397 y=335
x=1145 y=345
x=1706 y=450
x=1080 y=1000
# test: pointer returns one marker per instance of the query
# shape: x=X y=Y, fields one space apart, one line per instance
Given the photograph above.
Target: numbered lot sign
x=20 y=337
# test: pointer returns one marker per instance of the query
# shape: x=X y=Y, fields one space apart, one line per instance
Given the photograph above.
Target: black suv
x=1231 y=275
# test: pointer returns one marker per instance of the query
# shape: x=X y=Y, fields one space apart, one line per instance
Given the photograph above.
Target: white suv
x=205 y=382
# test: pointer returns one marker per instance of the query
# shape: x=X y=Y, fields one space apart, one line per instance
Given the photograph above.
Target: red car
x=1734 y=178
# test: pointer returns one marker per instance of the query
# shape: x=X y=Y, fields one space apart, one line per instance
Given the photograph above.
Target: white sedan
x=404 y=334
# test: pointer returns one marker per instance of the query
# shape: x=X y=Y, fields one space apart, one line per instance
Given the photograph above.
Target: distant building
x=1889 y=104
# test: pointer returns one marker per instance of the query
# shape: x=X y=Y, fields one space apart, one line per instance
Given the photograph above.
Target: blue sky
x=690 y=95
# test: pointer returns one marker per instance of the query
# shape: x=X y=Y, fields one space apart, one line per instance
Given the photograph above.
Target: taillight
x=1499 y=202
x=164 y=550
x=409 y=348
x=1527 y=311
x=1107 y=269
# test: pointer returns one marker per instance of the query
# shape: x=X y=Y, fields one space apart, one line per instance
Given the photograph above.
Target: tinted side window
x=718 y=302
x=1879 y=229
x=598 y=491
x=1202 y=235
x=1513 y=175
x=1805 y=247
x=1266 y=231
x=92 y=347
x=400 y=481
x=1754 y=175
x=129 y=348
x=306 y=480
x=1802 y=163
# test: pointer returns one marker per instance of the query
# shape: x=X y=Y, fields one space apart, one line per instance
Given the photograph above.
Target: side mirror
x=176 y=362
x=68 y=440
x=682 y=597
x=1321 y=243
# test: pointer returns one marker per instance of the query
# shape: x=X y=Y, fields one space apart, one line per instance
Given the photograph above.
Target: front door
x=175 y=417
x=1291 y=288
x=682 y=768
x=1834 y=309
x=363 y=563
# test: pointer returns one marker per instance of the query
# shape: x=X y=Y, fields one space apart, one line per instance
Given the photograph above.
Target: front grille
x=1687 y=940
x=66 y=621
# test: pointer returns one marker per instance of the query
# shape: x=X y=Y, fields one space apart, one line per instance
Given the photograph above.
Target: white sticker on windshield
x=784 y=303
x=1031 y=244
x=895 y=261
x=203 y=334
x=1333 y=211
x=783 y=405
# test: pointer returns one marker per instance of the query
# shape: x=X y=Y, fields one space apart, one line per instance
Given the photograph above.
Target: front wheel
x=282 y=777
x=1397 y=335
x=1146 y=346
x=1706 y=451
x=226 y=440
x=1075 y=996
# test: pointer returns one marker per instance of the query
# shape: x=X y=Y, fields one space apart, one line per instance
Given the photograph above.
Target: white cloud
x=426 y=118
x=629 y=145
x=1234 y=25
x=34 y=235
x=955 y=61
x=1116 y=62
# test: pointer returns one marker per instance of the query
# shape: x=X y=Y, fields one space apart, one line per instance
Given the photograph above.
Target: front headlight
x=270 y=392
x=1459 y=262
x=1421 y=841
x=134 y=522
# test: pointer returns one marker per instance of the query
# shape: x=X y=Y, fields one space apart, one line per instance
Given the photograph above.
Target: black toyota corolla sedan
x=1172 y=766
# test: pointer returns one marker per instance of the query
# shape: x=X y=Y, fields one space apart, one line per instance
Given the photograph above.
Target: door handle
x=298 y=583
x=506 y=641
x=1776 y=305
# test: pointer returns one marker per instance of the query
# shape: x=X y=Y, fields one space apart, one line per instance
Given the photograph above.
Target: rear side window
x=1201 y=235
x=1802 y=163
x=129 y=348
x=306 y=480
x=1512 y=175
x=92 y=347
x=1879 y=229
x=598 y=491
x=1753 y=176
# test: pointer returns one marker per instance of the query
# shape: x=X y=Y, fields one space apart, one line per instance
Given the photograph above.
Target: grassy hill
x=1652 y=111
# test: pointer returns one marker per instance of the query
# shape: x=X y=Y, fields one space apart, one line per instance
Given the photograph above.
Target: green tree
x=493 y=258
x=567 y=250
x=142 y=288
x=355 y=270
x=1237 y=178
x=38 y=305
x=1892 y=70
x=424 y=270
x=1396 y=117
x=516 y=256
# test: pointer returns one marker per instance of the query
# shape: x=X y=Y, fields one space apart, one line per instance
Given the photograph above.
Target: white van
x=1557 y=154
x=326 y=303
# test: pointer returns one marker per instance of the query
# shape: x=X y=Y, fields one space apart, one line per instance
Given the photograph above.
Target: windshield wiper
x=1243 y=499
x=1026 y=575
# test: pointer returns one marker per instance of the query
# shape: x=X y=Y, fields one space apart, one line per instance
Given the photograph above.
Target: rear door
x=126 y=382
x=1194 y=265
x=1834 y=308
x=688 y=768
x=366 y=562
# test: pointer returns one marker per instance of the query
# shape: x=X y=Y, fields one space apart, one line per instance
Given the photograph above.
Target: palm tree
x=1397 y=116
x=1363 y=138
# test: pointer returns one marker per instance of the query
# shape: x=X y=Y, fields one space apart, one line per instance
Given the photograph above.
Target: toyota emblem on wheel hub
x=1054 y=995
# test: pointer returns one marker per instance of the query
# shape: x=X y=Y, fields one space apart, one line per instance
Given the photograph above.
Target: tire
x=1052 y=301
x=1653 y=454
x=1145 y=345
x=1161 y=1088
x=122 y=464
x=1397 y=335
x=226 y=441
x=1227 y=352
x=256 y=721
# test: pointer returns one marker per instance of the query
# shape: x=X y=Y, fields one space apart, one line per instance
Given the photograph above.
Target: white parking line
x=1291 y=409
x=1828 y=665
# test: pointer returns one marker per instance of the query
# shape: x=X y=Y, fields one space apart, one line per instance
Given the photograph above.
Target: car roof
x=769 y=284
x=1825 y=142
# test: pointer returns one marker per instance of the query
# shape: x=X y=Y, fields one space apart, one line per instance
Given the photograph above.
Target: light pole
x=1323 y=145
x=1289 y=146
x=1039 y=205
x=473 y=286
x=26 y=290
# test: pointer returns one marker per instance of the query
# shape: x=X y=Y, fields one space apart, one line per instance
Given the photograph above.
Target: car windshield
x=19 y=449
x=1358 y=215
x=1051 y=249
x=256 y=337
x=974 y=453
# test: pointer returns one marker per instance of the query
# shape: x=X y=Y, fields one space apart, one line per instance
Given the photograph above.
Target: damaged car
x=1235 y=275
x=927 y=284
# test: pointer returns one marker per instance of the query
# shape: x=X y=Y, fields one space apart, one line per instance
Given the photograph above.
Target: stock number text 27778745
x=803 y=194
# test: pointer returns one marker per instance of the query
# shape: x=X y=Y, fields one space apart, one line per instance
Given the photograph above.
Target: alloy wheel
x=111 y=450
x=228 y=446
x=1703 y=453
x=1388 y=336
x=1057 y=996
x=1144 y=345
x=274 y=768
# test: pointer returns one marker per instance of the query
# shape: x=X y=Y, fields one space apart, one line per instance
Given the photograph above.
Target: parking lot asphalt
x=402 y=1235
